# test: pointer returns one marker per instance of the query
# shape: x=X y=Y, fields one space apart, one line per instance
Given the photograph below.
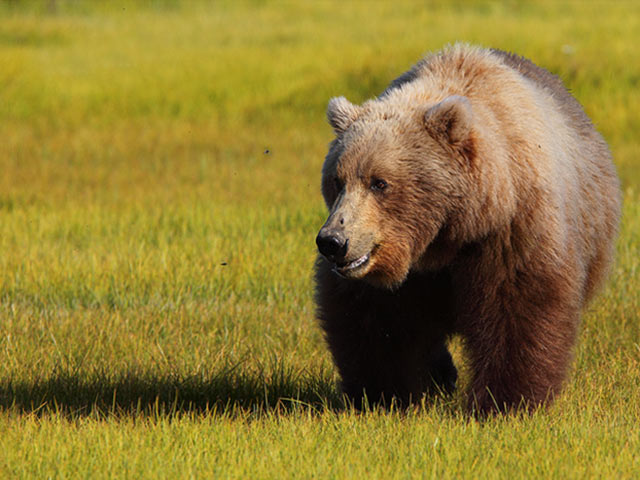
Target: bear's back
x=552 y=85
x=540 y=78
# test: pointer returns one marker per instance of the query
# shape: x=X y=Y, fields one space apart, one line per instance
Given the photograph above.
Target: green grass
x=159 y=196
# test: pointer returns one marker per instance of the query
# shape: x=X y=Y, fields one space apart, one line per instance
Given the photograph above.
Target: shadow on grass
x=228 y=393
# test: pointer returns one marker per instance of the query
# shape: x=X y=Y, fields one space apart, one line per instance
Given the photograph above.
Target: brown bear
x=472 y=197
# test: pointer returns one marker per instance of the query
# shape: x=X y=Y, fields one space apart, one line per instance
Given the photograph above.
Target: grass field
x=159 y=198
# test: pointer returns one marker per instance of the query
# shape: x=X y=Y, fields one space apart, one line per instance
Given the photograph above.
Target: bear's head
x=393 y=179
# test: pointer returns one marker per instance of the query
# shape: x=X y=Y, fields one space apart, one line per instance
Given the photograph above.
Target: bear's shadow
x=226 y=393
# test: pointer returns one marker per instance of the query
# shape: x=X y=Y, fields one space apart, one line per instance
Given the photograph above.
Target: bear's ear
x=341 y=113
x=450 y=120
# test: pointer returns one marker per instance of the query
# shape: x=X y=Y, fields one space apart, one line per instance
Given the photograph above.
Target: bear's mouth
x=345 y=268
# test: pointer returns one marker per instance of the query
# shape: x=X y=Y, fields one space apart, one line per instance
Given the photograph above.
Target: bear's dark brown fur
x=473 y=197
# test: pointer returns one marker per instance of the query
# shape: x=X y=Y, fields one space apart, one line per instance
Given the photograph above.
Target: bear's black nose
x=332 y=244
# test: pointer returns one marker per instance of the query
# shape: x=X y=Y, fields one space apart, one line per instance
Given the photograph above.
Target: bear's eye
x=378 y=185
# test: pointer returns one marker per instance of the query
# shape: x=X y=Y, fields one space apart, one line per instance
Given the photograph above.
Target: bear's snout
x=332 y=244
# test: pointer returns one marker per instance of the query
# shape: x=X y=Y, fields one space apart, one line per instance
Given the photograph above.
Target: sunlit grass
x=159 y=196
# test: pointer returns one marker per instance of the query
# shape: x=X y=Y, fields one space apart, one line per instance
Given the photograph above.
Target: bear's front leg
x=386 y=366
x=375 y=359
x=519 y=337
x=382 y=374
x=386 y=344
